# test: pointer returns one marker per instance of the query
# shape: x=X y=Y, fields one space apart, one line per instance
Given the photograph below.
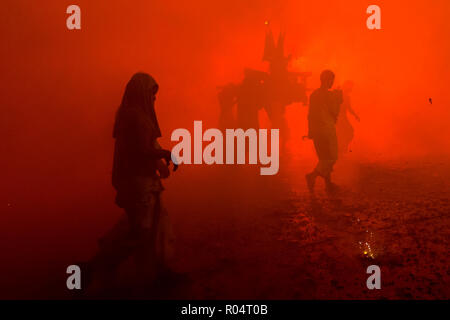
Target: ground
x=282 y=243
x=244 y=236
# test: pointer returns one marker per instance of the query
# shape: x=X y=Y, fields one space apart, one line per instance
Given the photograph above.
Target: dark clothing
x=134 y=168
x=144 y=231
x=136 y=130
x=326 y=147
x=136 y=150
x=323 y=112
x=322 y=117
x=227 y=99
x=250 y=99
x=134 y=147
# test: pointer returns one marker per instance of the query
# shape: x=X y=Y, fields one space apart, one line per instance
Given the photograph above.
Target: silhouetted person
x=250 y=98
x=344 y=128
x=283 y=87
x=139 y=164
x=273 y=91
x=227 y=99
x=323 y=113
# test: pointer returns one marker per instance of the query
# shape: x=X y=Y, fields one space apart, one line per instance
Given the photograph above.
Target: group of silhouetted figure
x=329 y=127
x=272 y=91
x=144 y=232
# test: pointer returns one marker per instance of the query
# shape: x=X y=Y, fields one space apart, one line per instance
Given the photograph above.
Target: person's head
x=140 y=94
x=327 y=79
x=140 y=91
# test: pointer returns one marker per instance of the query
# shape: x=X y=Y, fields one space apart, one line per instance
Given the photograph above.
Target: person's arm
x=335 y=105
x=175 y=165
x=161 y=166
x=312 y=106
x=350 y=109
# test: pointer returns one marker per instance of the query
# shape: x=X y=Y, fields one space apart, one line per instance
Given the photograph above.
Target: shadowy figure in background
x=250 y=99
x=227 y=99
x=283 y=86
x=322 y=116
x=139 y=164
x=273 y=91
x=344 y=128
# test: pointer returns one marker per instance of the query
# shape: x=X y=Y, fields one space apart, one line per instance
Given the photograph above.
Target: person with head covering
x=322 y=116
x=138 y=166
